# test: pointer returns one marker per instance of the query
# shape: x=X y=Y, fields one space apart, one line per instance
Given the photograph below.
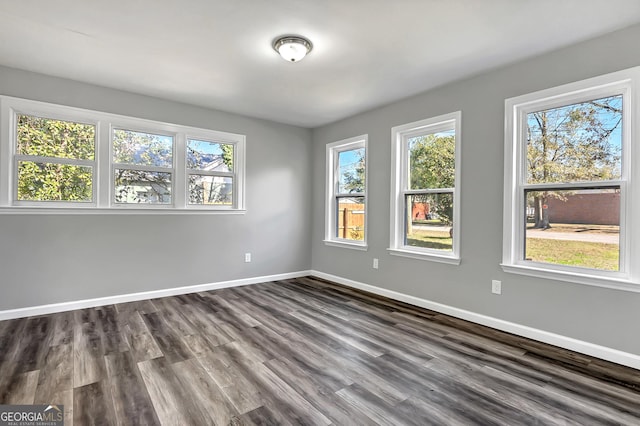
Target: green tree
x=432 y=165
x=227 y=155
x=574 y=143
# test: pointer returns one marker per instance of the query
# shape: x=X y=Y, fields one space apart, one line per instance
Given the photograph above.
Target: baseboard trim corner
x=587 y=348
x=133 y=297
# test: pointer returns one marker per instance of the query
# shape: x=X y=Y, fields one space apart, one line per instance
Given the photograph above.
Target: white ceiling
x=217 y=53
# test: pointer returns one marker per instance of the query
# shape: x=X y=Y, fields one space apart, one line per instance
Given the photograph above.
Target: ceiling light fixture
x=292 y=48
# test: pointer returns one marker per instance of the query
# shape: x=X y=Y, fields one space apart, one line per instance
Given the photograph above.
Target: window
x=211 y=175
x=568 y=174
x=54 y=160
x=53 y=156
x=346 y=215
x=425 y=216
x=142 y=167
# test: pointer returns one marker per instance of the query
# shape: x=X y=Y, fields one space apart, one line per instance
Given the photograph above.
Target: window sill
x=575 y=277
x=112 y=210
x=344 y=244
x=425 y=256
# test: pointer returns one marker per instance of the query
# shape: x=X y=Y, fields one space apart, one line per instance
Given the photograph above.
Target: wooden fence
x=353 y=216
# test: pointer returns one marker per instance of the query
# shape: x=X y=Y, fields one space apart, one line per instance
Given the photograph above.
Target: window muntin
x=425 y=165
x=148 y=157
x=346 y=217
x=211 y=172
x=587 y=195
x=54 y=160
x=143 y=167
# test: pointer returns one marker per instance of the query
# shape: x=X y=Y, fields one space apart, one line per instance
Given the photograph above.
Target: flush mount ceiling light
x=292 y=48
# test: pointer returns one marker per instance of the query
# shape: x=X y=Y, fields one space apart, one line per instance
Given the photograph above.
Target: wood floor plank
x=239 y=390
x=171 y=314
x=204 y=321
x=143 y=346
x=171 y=401
x=320 y=365
x=92 y=405
x=56 y=377
x=168 y=340
x=208 y=396
x=34 y=343
x=373 y=407
x=132 y=403
x=63 y=328
x=88 y=355
x=265 y=416
x=24 y=389
x=314 y=391
x=283 y=397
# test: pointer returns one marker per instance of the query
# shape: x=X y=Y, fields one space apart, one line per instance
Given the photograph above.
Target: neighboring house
x=203 y=188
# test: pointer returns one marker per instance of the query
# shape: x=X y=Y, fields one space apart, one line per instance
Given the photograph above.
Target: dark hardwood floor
x=300 y=351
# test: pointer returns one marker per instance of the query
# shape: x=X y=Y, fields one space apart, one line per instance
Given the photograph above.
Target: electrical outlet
x=496 y=287
x=375 y=263
x=247 y=257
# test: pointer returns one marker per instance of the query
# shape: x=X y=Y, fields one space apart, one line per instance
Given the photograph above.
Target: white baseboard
x=133 y=297
x=591 y=349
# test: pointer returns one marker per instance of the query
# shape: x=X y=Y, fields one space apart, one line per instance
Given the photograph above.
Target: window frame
x=333 y=151
x=516 y=109
x=400 y=186
x=103 y=184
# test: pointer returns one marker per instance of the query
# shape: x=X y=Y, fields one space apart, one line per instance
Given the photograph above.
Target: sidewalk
x=549 y=234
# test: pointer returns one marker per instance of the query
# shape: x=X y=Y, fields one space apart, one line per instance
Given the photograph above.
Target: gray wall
x=56 y=258
x=601 y=316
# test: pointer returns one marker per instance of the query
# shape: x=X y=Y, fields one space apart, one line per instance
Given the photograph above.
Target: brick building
x=598 y=208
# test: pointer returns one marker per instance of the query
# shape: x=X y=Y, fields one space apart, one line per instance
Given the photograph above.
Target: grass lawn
x=583 y=254
x=433 y=239
x=574 y=253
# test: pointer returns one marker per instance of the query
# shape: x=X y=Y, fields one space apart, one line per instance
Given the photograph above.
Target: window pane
x=142 y=187
x=576 y=228
x=210 y=156
x=142 y=148
x=429 y=221
x=351 y=171
x=350 y=223
x=54 y=182
x=432 y=160
x=575 y=143
x=210 y=190
x=55 y=138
